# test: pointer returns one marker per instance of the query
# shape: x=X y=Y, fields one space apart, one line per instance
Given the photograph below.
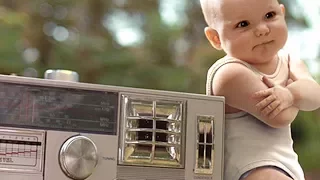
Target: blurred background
x=153 y=44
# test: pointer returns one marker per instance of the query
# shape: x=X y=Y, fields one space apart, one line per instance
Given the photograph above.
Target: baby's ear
x=213 y=37
x=283 y=9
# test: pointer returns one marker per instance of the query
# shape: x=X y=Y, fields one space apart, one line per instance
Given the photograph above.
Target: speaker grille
x=152 y=131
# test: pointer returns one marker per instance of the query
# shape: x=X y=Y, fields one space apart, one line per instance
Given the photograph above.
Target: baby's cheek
x=239 y=46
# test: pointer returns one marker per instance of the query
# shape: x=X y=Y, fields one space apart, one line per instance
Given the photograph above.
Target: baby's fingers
x=276 y=111
x=265 y=102
x=289 y=81
x=268 y=82
x=271 y=108
x=262 y=93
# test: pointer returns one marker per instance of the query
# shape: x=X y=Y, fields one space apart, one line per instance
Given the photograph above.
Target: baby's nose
x=262 y=30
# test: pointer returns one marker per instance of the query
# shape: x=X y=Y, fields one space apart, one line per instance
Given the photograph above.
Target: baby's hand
x=276 y=99
x=289 y=82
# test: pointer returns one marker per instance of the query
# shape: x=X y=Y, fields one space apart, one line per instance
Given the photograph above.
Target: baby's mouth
x=263 y=43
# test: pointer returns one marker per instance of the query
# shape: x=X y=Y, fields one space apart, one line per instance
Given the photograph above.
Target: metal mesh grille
x=152 y=132
x=205 y=145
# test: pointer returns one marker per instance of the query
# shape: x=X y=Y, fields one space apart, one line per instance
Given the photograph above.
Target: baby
x=263 y=85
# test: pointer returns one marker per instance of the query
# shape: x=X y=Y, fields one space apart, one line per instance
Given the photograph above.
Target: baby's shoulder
x=229 y=64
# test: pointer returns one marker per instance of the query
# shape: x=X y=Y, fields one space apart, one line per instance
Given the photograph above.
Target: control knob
x=78 y=157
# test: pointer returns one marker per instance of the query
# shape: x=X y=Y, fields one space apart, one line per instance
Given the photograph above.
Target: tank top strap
x=214 y=68
x=285 y=57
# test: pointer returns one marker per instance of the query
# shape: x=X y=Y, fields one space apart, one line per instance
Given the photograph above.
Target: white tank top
x=250 y=143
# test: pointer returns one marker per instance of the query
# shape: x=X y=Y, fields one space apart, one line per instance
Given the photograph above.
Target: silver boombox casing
x=108 y=158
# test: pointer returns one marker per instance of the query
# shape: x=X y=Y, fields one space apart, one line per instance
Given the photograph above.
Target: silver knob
x=63 y=75
x=78 y=157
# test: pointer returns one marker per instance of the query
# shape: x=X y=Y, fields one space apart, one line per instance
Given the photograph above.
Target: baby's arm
x=305 y=90
x=237 y=83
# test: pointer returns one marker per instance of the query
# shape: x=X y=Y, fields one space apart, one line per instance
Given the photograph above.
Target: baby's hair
x=208 y=11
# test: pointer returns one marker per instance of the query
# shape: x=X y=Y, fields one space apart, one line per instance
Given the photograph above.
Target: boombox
x=63 y=130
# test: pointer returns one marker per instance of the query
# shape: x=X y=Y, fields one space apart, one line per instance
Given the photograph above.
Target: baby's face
x=251 y=30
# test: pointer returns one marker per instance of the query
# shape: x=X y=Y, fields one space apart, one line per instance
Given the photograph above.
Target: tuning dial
x=78 y=157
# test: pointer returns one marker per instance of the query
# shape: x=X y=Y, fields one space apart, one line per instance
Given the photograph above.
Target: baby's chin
x=256 y=58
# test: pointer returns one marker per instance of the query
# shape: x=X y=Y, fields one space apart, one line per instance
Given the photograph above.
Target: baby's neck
x=269 y=67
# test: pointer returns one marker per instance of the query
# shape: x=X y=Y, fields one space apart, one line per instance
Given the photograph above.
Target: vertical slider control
x=204 y=145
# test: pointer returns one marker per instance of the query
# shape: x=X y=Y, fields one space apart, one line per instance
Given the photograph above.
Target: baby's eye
x=243 y=24
x=270 y=15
